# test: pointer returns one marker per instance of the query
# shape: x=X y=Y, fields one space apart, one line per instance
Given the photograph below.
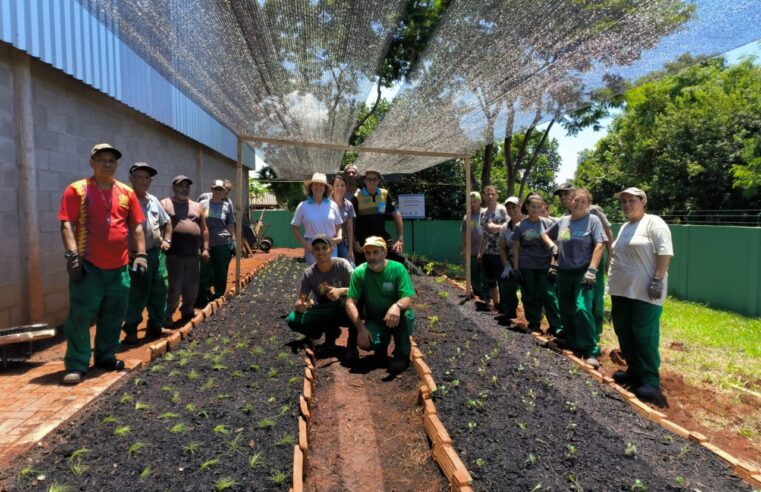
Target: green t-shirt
x=379 y=290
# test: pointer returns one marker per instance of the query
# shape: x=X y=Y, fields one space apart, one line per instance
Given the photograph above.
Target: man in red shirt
x=97 y=214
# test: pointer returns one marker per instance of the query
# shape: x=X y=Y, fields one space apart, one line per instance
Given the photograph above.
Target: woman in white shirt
x=639 y=264
x=318 y=215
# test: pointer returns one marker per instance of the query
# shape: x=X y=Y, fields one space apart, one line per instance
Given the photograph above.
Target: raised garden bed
x=220 y=411
x=525 y=418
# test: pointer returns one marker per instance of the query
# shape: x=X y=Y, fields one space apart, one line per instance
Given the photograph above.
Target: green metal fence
x=716 y=265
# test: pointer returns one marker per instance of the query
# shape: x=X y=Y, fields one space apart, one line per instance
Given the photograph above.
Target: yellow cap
x=375 y=241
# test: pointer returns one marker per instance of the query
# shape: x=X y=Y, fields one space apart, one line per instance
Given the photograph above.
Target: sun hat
x=632 y=191
x=321 y=238
x=144 y=166
x=372 y=170
x=318 y=178
x=104 y=146
x=218 y=184
x=180 y=178
x=375 y=241
x=563 y=188
x=476 y=195
x=513 y=199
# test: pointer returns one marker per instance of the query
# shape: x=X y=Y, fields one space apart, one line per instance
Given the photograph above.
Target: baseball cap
x=217 y=184
x=179 y=179
x=375 y=241
x=514 y=200
x=564 y=187
x=144 y=166
x=321 y=238
x=476 y=195
x=632 y=191
x=105 y=146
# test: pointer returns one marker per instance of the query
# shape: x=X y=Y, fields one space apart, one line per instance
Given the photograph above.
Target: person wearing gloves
x=318 y=215
x=221 y=223
x=532 y=254
x=97 y=215
x=492 y=218
x=149 y=290
x=580 y=240
x=638 y=282
x=508 y=285
x=477 y=282
x=328 y=283
x=384 y=289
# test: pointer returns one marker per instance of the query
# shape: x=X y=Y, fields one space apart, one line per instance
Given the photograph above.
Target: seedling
x=174 y=373
x=282 y=355
x=479 y=462
x=294 y=380
x=141 y=406
x=76 y=455
x=277 y=476
x=224 y=483
x=221 y=429
x=683 y=451
x=125 y=399
x=203 y=413
x=237 y=374
x=77 y=468
x=255 y=367
x=443 y=294
x=271 y=399
x=477 y=404
x=169 y=415
x=266 y=423
x=209 y=463
x=146 y=472
x=680 y=481
x=193 y=375
x=273 y=372
x=59 y=487
x=154 y=368
x=122 y=431
x=631 y=450
x=179 y=428
x=27 y=472
x=284 y=409
x=247 y=408
x=573 y=371
x=191 y=448
x=209 y=384
x=575 y=484
x=571 y=406
x=285 y=440
x=257 y=350
x=570 y=451
x=175 y=397
x=522 y=426
x=138 y=381
x=472 y=426
x=255 y=459
x=241 y=345
x=167 y=388
x=536 y=488
x=190 y=407
x=638 y=486
x=132 y=450
x=217 y=366
x=571 y=425
x=432 y=320
x=530 y=460
x=223 y=396
x=455 y=382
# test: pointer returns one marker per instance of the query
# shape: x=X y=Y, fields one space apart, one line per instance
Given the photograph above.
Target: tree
x=689 y=138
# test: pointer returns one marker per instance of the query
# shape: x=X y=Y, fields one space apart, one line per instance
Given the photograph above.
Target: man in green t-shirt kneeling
x=384 y=289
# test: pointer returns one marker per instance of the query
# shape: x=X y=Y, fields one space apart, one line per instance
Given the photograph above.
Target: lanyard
x=106 y=202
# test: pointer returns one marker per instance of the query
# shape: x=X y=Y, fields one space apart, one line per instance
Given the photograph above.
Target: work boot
x=648 y=392
x=130 y=339
x=72 y=378
x=623 y=378
x=592 y=361
x=111 y=364
x=399 y=364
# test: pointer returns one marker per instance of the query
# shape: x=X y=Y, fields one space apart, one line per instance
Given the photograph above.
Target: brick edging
x=749 y=472
x=305 y=418
x=442 y=450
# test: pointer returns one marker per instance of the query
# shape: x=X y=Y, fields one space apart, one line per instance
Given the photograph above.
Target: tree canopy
x=690 y=139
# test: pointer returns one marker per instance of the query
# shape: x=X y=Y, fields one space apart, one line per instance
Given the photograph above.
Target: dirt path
x=367 y=432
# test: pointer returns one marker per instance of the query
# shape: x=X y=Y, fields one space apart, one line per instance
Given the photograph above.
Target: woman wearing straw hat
x=640 y=258
x=318 y=215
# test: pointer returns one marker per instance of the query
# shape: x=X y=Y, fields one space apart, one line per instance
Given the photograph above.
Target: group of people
x=560 y=264
x=356 y=277
x=127 y=251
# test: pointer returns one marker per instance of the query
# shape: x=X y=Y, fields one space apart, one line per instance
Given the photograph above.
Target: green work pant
x=381 y=335
x=576 y=312
x=214 y=274
x=477 y=280
x=637 y=326
x=508 y=297
x=102 y=296
x=598 y=298
x=322 y=318
x=149 y=292
x=537 y=293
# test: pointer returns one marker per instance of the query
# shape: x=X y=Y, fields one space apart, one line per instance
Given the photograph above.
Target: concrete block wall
x=69 y=118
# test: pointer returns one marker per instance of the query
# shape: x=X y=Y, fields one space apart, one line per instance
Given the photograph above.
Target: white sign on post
x=412 y=206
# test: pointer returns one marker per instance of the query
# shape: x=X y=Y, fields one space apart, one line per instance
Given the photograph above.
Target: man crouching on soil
x=384 y=288
x=327 y=281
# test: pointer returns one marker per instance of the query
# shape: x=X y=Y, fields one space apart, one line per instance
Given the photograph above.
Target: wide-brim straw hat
x=318 y=178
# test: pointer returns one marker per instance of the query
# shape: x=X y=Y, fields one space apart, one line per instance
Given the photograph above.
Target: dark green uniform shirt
x=379 y=290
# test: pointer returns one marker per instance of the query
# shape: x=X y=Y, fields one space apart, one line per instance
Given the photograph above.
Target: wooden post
x=240 y=185
x=468 y=225
x=27 y=186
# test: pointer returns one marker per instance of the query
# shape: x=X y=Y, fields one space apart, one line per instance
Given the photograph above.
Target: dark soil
x=223 y=406
x=525 y=418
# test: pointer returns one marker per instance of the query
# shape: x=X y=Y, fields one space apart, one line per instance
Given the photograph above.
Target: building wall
x=69 y=118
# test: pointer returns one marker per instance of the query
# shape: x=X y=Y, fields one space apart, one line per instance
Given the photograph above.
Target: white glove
x=507 y=272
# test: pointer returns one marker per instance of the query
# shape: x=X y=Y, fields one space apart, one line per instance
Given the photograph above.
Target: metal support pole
x=27 y=185
x=240 y=185
x=468 y=226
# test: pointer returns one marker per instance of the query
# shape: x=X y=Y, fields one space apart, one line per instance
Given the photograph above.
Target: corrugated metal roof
x=268 y=200
x=67 y=36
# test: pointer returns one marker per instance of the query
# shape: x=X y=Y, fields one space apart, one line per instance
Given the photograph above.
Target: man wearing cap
x=97 y=215
x=638 y=284
x=477 y=282
x=352 y=179
x=565 y=194
x=220 y=222
x=384 y=289
x=328 y=283
x=190 y=245
x=148 y=290
x=373 y=205
x=228 y=188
